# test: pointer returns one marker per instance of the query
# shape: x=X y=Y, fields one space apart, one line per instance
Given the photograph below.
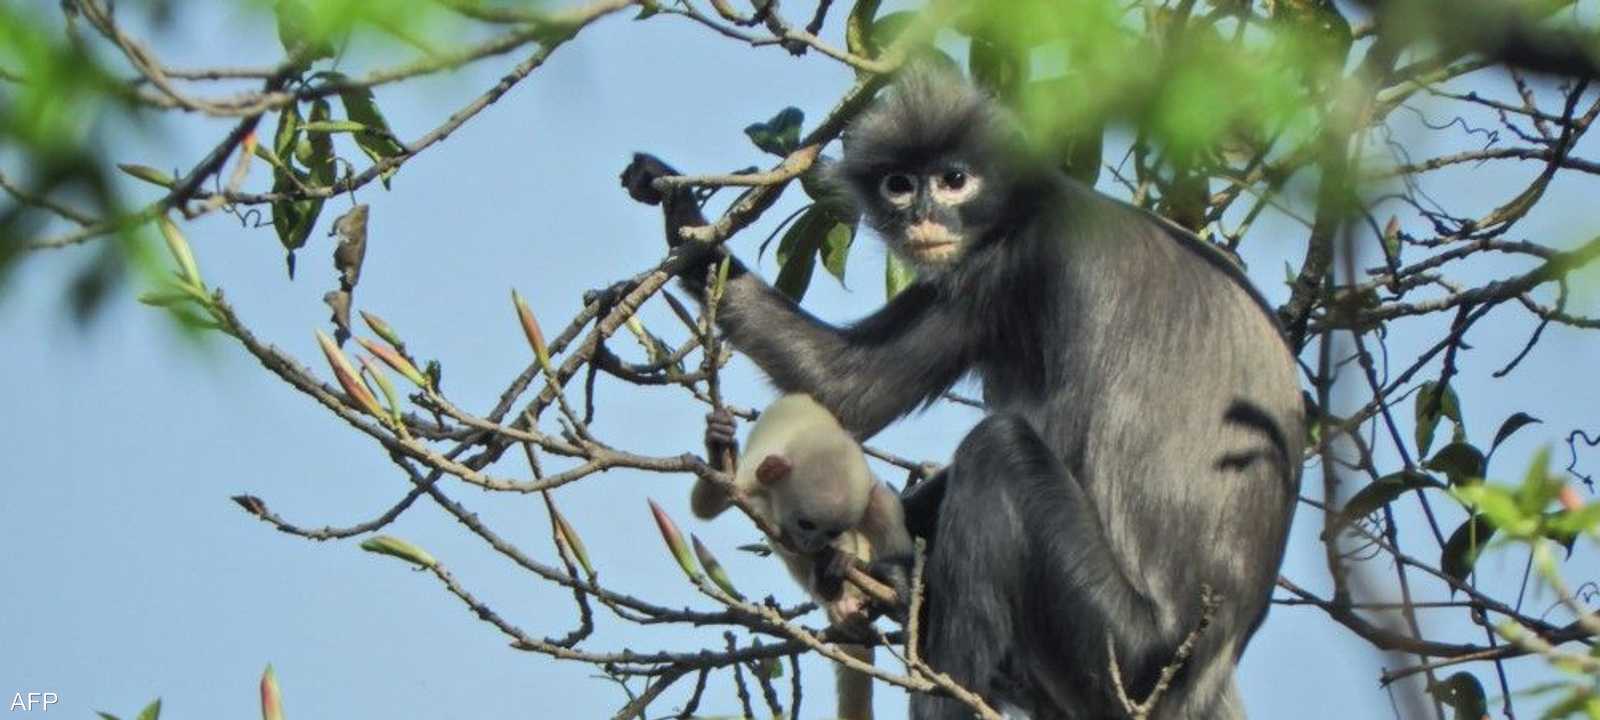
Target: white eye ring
x=898 y=188
x=953 y=187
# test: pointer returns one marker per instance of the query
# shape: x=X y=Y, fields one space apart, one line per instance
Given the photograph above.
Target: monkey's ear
x=773 y=468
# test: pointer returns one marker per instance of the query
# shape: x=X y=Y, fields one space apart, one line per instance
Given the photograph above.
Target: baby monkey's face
x=814 y=509
x=817 y=492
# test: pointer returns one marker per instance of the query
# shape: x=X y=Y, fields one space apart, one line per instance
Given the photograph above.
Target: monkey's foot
x=849 y=617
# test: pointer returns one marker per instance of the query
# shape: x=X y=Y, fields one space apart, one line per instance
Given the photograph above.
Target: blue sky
x=130 y=574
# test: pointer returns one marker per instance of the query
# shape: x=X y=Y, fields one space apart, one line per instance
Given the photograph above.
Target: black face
x=932 y=213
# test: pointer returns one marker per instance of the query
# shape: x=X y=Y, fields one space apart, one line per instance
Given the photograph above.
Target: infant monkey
x=802 y=471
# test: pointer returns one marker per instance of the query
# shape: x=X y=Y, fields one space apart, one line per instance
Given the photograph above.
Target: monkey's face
x=808 y=535
x=934 y=213
x=819 y=500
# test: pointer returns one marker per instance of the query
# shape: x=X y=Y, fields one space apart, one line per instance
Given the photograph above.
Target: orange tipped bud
x=530 y=327
x=675 y=543
x=395 y=360
x=348 y=379
x=271 y=696
x=570 y=536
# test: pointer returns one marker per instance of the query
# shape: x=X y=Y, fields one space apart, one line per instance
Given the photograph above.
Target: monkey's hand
x=680 y=209
x=640 y=176
x=896 y=573
x=720 y=439
x=828 y=569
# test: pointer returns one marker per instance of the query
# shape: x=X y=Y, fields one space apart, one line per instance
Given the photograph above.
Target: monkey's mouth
x=928 y=240
x=801 y=544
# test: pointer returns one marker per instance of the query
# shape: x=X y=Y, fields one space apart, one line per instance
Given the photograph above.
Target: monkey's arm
x=915 y=340
x=884 y=527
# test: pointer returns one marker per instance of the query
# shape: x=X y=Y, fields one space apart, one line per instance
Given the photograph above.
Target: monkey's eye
x=898 y=185
x=807 y=525
x=954 y=186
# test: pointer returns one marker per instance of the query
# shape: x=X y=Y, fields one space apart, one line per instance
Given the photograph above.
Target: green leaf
x=1427 y=415
x=1538 y=488
x=320 y=161
x=897 y=275
x=1450 y=405
x=1564 y=526
x=1516 y=422
x=836 y=249
x=395 y=547
x=377 y=141
x=1498 y=503
x=1375 y=495
x=886 y=29
x=1464 y=694
x=301 y=32
x=797 y=252
x=795 y=276
x=780 y=135
x=292 y=220
x=998 y=66
x=151 y=711
x=1579 y=702
x=106 y=716
x=1461 y=551
x=288 y=126
x=1459 y=461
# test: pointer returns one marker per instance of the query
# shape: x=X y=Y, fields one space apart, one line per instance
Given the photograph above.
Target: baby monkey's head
x=818 y=489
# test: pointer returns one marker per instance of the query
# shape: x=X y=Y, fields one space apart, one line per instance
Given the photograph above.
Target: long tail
x=855 y=689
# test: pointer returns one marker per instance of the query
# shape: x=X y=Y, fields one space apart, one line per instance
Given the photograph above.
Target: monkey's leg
x=1023 y=586
x=973 y=575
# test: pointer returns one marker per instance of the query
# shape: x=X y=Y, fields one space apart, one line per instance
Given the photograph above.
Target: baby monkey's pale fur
x=803 y=472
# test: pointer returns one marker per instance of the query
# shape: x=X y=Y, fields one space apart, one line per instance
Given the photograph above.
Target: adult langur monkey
x=1142 y=445
x=802 y=471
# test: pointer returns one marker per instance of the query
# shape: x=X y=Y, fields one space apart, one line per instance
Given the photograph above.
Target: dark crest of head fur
x=928 y=112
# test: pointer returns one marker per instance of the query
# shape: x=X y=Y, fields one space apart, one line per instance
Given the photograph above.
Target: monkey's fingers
x=721 y=428
x=895 y=574
x=640 y=175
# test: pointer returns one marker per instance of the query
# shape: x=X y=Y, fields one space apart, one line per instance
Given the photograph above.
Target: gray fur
x=1144 y=437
